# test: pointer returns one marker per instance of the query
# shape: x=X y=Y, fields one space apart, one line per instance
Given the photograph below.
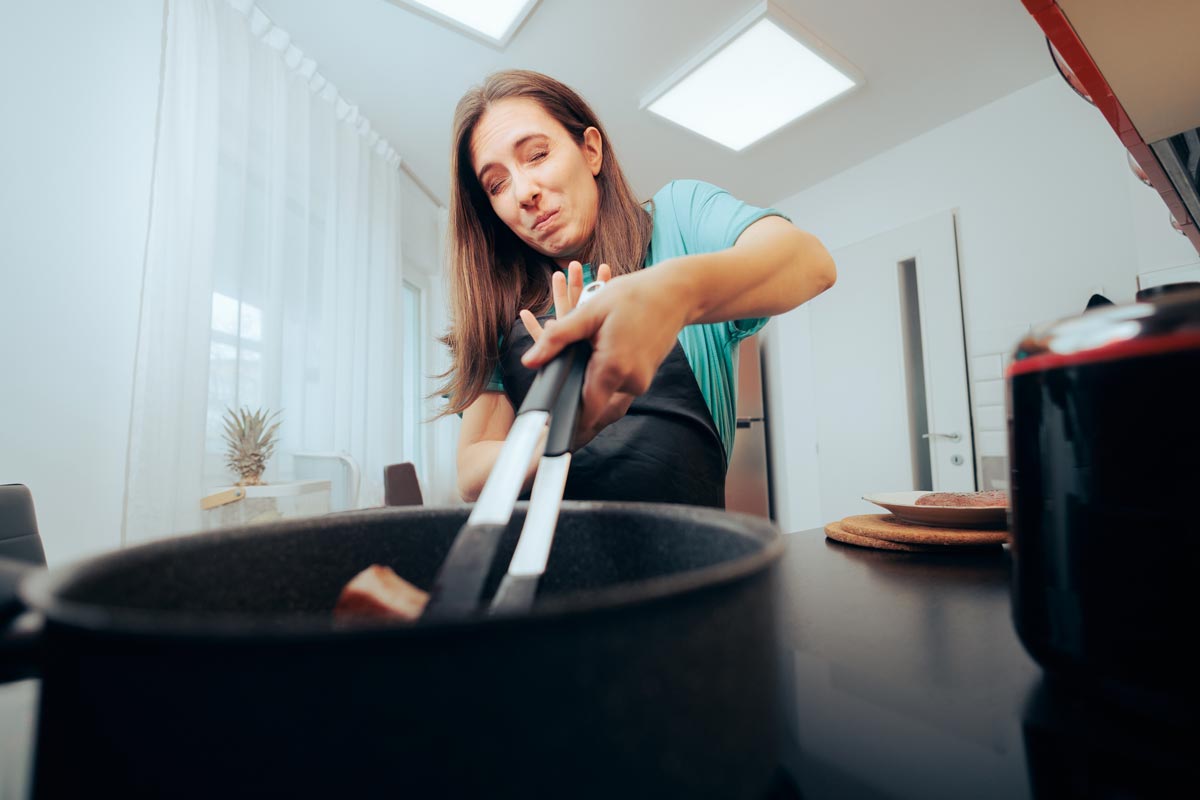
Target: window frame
x=416 y=280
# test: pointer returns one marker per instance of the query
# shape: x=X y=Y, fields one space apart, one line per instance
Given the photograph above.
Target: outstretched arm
x=633 y=324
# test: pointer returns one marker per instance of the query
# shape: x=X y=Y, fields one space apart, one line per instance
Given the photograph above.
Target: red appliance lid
x=1170 y=323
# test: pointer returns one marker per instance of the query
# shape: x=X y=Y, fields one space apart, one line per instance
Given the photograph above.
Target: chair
x=19 y=538
x=400 y=485
x=339 y=469
x=20 y=554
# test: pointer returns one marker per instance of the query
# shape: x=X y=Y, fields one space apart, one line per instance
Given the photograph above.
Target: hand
x=632 y=325
x=566 y=296
x=567 y=290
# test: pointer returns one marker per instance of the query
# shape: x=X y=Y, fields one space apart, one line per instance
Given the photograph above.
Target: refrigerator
x=747 y=483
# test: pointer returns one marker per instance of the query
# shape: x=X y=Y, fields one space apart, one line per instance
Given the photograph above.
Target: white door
x=889 y=370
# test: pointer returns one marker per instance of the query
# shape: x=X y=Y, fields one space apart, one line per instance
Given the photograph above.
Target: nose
x=527 y=190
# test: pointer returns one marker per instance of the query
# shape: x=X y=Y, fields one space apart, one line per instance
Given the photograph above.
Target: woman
x=538 y=191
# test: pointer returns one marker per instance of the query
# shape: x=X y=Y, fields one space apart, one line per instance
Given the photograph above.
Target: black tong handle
x=548 y=383
x=564 y=415
x=556 y=390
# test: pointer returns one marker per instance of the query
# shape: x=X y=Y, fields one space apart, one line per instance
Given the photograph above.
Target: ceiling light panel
x=764 y=73
x=493 y=21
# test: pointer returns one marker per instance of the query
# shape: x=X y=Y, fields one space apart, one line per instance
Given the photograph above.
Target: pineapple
x=250 y=442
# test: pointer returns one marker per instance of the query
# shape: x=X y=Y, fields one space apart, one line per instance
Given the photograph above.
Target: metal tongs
x=553 y=398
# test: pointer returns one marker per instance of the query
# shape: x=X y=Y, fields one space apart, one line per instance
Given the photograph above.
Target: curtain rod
x=420 y=184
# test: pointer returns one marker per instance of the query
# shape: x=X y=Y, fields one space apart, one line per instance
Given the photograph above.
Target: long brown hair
x=492 y=273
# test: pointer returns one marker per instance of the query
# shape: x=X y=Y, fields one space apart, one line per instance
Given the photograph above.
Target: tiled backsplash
x=987 y=368
x=991 y=442
x=994 y=349
x=993 y=473
x=989 y=418
x=988 y=393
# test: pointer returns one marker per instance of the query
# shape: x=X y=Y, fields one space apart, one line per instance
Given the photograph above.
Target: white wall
x=1048 y=212
x=81 y=83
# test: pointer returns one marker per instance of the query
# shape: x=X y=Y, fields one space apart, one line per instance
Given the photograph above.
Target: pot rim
x=41 y=591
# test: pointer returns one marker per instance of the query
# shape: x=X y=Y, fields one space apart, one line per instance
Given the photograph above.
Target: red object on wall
x=1058 y=30
x=1068 y=74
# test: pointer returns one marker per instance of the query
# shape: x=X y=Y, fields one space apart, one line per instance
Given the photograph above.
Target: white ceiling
x=925 y=61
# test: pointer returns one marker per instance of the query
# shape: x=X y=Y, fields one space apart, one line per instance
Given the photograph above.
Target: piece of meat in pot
x=990 y=499
x=379 y=592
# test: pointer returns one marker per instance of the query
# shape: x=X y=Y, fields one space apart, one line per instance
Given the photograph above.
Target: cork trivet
x=838 y=532
x=886 y=526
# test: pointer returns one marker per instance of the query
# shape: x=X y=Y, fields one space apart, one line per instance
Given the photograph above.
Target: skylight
x=495 y=21
x=764 y=73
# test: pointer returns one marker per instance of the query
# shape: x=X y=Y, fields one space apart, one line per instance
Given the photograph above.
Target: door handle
x=954 y=437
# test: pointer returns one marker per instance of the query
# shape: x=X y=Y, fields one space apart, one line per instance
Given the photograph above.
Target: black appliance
x=1104 y=441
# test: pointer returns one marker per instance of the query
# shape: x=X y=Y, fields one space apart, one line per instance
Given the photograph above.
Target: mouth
x=543 y=219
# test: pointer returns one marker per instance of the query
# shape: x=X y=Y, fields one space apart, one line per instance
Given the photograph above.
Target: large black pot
x=210 y=666
x=1104 y=426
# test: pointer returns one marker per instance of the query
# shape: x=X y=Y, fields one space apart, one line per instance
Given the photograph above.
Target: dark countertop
x=906 y=680
x=903 y=678
x=906 y=675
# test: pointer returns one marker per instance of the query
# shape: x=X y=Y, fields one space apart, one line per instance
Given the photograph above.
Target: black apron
x=666 y=449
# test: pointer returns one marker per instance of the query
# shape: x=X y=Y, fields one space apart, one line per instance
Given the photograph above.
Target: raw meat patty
x=992 y=499
x=378 y=591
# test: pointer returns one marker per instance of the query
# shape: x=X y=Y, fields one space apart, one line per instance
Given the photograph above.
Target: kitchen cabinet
x=1139 y=64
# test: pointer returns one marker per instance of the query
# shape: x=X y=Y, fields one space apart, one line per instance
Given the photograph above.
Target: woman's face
x=541 y=183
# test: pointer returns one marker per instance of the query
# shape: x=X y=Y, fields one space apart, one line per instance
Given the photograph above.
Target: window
x=272 y=271
x=413 y=376
x=235 y=371
x=259 y=226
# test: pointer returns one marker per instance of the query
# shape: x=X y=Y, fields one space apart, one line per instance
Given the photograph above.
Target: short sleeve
x=496 y=384
x=711 y=219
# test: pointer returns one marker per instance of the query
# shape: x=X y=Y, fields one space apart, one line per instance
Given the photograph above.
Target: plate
x=904 y=505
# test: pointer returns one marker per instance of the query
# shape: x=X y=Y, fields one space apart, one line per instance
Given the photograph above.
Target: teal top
x=695 y=217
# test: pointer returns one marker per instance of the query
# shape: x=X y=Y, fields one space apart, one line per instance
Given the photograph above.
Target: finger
x=571 y=328
x=604 y=273
x=599 y=385
x=618 y=404
x=531 y=324
x=562 y=303
x=574 y=282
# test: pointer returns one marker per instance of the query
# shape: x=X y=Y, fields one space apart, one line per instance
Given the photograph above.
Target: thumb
x=582 y=323
x=602 y=403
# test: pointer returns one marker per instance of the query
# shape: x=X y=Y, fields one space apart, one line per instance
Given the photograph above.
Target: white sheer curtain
x=272 y=268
